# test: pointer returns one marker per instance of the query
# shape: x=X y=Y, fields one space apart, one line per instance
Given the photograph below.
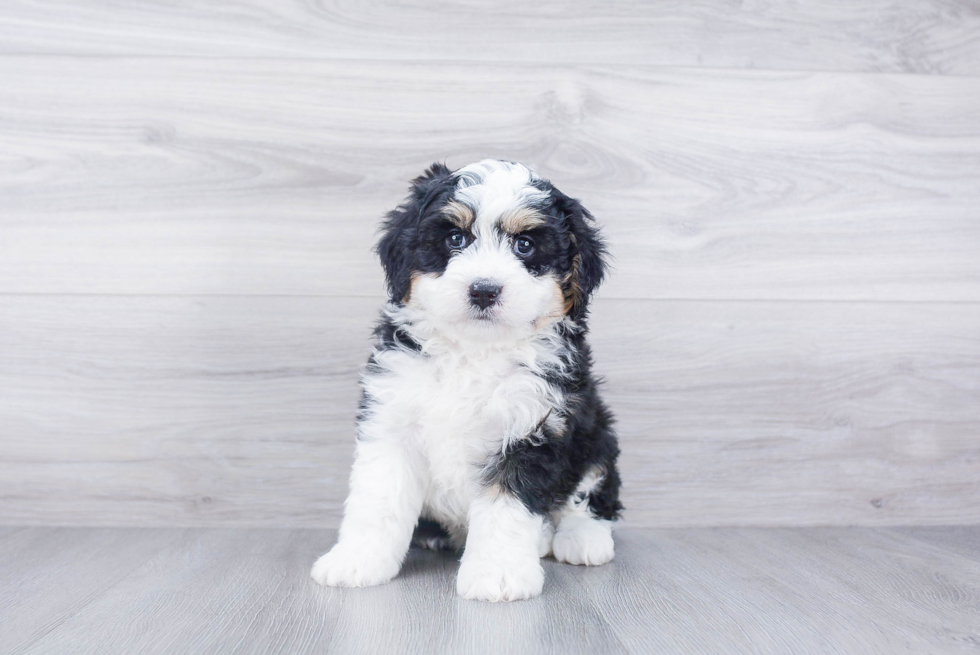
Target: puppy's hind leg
x=581 y=537
x=431 y=535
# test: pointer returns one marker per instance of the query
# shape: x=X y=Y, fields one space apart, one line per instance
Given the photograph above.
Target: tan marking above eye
x=459 y=214
x=520 y=220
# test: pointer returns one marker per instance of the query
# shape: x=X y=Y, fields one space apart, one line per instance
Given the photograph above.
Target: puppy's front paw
x=348 y=566
x=495 y=580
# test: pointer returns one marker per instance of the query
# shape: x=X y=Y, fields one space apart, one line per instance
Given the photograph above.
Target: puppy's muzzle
x=484 y=293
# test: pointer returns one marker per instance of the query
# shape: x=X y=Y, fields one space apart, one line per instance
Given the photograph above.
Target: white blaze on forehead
x=493 y=188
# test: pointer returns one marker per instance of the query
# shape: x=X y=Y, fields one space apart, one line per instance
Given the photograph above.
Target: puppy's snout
x=484 y=293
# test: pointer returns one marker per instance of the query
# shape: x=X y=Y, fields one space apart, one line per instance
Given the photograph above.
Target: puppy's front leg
x=501 y=559
x=379 y=516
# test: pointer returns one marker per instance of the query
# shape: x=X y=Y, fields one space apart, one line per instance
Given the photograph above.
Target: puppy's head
x=491 y=250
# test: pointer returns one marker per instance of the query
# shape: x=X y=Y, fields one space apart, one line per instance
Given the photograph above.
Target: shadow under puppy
x=480 y=411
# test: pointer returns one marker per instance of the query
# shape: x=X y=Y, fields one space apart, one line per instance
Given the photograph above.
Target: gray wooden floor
x=803 y=590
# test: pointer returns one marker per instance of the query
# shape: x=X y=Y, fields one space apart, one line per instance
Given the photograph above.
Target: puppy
x=480 y=415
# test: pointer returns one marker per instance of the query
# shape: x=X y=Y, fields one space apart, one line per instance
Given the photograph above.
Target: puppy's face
x=491 y=251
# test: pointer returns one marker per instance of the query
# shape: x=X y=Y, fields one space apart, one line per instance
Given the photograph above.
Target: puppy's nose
x=484 y=293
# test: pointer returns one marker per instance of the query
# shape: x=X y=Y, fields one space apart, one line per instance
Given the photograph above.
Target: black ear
x=400 y=230
x=588 y=252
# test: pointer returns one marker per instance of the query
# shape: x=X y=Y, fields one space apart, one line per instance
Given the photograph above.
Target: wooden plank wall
x=189 y=194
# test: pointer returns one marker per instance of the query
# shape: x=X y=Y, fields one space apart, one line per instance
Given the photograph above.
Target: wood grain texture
x=927 y=36
x=855 y=413
x=846 y=591
x=162 y=409
x=209 y=591
x=218 y=176
x=816 y=590
x=189 y=195
x=49 y=574
x=240 y=410
x=959 y=539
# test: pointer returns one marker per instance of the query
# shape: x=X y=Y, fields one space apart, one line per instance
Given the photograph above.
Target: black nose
x=484 y=293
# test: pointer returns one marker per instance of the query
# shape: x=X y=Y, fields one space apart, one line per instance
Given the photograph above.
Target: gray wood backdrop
x=189 y=194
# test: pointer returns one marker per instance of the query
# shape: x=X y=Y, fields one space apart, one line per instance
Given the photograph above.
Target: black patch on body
x=389 y=335
x=544 y=470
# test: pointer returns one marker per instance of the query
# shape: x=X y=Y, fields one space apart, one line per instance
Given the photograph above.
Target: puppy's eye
x=457 y=241
x=523 y=246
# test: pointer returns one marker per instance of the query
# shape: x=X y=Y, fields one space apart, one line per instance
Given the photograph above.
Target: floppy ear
x=588 y=252
x=400 y=231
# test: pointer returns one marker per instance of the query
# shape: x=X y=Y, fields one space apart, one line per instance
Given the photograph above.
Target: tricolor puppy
x=480 y=426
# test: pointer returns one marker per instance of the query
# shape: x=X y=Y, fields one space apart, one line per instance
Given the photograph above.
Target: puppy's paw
x=496 y=580
x=583 y=540
x=350 y=566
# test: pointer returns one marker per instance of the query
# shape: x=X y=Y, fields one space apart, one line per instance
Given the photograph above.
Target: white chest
x=454 y=412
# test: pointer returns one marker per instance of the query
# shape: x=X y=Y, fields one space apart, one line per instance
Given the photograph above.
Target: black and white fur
x=480 y=425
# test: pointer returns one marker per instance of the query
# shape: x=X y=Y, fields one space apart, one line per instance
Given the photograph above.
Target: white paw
x=497 y=580
x=351 y=566
x=583 y=540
